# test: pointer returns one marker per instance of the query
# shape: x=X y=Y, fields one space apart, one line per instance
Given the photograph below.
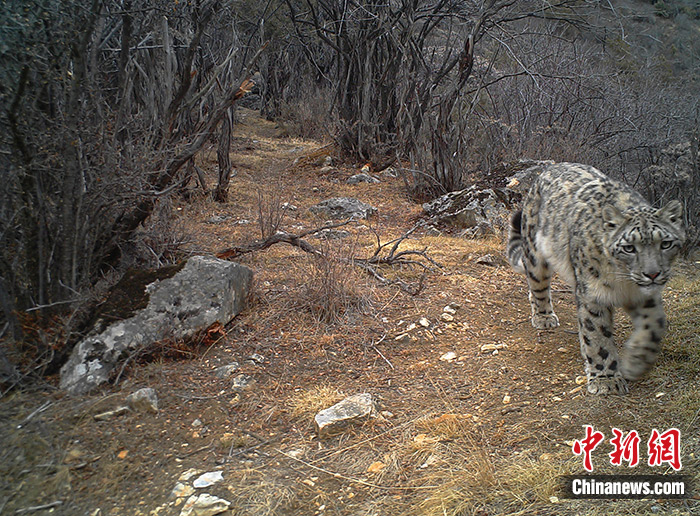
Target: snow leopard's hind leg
x=539 y=278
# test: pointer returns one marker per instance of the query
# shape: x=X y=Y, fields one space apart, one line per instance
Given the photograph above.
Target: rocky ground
x=475 y=413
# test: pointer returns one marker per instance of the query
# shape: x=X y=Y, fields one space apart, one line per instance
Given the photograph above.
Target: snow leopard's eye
x=629 y=248
x=666 y=244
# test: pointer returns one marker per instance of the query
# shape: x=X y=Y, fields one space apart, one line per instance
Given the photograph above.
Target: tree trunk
x=223 y=155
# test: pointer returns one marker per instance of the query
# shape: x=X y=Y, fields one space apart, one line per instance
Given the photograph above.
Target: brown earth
x=487 y=433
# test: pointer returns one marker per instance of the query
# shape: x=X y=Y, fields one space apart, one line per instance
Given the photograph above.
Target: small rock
x=256 y=358
x=188 y=474
x=227 y=370
x=449 y=356
x=297 y=453
x=342 y=208
x=204 y=505
x=390 y=172
x=387 y=414
x=328 y=161
x=331 y=234
x=104 y=416
x=217 y=219
x=143 y=400
x=449 y=310
x=506 y=399
x=429 y=462
x=243 y=382
x=445 y=317
x=362 y=178
x=289 y=207
x=424 y=322
x=208 y=479
x=487 y=259
x=351 y=410
x=197 y=422
x=181 y=490
x=431 y=230
x=493 y=347
x=243 y=222
x=327 y=169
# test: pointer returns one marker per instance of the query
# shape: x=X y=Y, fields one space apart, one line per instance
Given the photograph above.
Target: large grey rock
x=481 y=211
x=351 y=410
x=150 y=306
x=343 y=208
x=522 y=173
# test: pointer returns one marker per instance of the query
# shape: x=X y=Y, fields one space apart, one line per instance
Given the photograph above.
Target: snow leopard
x=614 y=249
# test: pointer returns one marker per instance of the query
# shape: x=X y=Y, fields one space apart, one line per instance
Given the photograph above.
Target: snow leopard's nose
x=652 y=275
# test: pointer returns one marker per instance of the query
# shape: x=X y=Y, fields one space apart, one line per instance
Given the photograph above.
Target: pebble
x=449 y=356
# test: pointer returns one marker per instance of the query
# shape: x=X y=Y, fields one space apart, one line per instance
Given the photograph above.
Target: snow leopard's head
x=645 y=241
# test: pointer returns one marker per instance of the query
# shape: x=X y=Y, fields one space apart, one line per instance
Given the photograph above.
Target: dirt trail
x=485 y=433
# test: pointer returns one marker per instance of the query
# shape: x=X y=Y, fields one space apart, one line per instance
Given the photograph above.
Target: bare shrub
x=309 y=116
x=331 y=287
x=270 y=211
x=158 y=242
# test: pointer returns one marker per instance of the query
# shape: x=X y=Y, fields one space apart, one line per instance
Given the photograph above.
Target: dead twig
x=37 y=411
x=39 y=507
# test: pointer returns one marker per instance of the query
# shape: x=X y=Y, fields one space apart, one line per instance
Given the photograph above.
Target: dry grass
x=255 y=493
x=479 y=484
x=331 y=288
x=679 y=363
x=305 y=403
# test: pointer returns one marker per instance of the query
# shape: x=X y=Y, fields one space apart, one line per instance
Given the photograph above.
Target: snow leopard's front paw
x=545 y=321
x=603 y=385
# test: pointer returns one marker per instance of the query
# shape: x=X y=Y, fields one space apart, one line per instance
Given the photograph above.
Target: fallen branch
x=280 y=237
x=369 y=265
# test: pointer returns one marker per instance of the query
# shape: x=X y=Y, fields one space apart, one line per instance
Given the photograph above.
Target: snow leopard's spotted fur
x=605 y=240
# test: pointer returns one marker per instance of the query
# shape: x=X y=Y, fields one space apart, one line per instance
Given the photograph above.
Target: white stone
x=208 y=479
x=204 y=505
x=351 y=410
x=449 y=356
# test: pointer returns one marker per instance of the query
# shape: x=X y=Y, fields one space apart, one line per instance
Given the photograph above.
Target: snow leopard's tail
x=514 y=251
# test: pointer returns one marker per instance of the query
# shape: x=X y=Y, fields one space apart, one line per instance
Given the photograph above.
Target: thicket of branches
x=105 y=103
x=104 y=106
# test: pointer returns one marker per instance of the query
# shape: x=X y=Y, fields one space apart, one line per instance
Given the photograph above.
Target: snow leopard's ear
x=612 y=217
x=671 y=213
